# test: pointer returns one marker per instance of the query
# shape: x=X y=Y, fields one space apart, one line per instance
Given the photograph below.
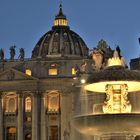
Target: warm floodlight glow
x=99 y=87
x=117 y=101
x=116 y=91
x=52 y=71
x=28 y=72
x=60 y=22
x=116 y=60
x=73 y=71
x=83 y=81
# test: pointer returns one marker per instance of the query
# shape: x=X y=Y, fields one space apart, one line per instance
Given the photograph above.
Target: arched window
x=11 y=133
x=53 y=102
x=11 y=105
x=28 y=104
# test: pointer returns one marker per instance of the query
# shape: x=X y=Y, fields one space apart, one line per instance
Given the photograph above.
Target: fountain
x=117 y=120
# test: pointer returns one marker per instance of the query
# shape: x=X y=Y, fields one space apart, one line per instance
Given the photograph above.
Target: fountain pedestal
x=117 y=122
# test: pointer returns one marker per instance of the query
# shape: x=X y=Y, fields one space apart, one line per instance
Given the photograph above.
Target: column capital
x=20 y=94
x=38 y=94
x=1 y=94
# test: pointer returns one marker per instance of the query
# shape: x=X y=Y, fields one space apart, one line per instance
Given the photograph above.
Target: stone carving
x=107 y=51
x=104 y=56
x=102 y=45
x=83 y=67
x=12 y=52
x=97 y=57
x=117 y=99
x=77 y=71
x=108 y=104
x=1 y=54
x=22 y=54
x=127 y=107
x=100 y=55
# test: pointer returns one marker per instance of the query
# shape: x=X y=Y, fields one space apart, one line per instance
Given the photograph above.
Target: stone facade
x=37 y=95
x=47 y=114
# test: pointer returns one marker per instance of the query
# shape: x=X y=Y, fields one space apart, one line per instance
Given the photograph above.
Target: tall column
x=65 y=105
x=1 y=118
x=35 y=127
x=20 y=116
x=43 y=118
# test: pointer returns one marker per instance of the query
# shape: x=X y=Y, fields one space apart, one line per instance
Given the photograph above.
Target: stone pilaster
x=35 y=110
x=20 y=116
x=1 y=118
x=65 y=114
x=43 y=118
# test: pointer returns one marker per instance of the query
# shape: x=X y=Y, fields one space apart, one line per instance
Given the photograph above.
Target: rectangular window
x=53 y=71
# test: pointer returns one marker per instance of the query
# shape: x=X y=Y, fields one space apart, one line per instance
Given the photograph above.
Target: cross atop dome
x=60 y=18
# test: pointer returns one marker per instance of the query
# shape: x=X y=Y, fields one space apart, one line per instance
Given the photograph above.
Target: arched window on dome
x=53 y=70
x=28 y=104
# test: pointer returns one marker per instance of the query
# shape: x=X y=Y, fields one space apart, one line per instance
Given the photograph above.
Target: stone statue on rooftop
x=102 y=45
x=1 y=54
x=97 y=57
x=12 y=52
x=22 y=54
x=83 y=67
x=119 y=51
x=77 y=70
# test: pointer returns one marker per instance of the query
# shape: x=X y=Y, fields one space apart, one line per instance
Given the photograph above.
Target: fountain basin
x=103 y=124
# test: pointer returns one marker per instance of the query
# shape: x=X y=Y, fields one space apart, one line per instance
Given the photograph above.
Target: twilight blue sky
x=23 y=22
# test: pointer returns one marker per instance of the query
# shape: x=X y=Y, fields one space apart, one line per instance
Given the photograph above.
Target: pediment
x=13 y=75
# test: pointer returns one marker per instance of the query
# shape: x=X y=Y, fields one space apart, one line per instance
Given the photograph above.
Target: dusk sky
x=23 y=22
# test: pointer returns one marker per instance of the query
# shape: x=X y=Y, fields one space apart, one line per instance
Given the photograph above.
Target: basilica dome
x=60 y=41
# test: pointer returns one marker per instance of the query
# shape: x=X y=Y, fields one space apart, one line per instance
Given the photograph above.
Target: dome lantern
x=60 y=19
